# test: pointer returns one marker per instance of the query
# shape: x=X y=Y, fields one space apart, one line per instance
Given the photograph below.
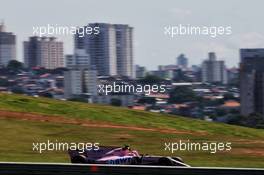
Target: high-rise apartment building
x=124 y=50
x=72 y=83
x=214 y=71
x=7 y=46
x=182 y=61
x=79 y=58
x=45 y=52
x=252 y=81
x=81 y=78
x=80 y=81
x=111 y=50
x=141 y=71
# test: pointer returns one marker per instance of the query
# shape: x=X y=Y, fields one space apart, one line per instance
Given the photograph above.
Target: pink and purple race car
x=122 y=156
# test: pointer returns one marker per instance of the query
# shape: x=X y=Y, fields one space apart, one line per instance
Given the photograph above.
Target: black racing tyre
x=78 y=159
x=164 y=161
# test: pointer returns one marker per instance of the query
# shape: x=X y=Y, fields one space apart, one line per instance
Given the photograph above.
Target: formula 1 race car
x=121 y=156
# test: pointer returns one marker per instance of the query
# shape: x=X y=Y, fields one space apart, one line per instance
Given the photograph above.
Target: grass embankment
x=78 y=122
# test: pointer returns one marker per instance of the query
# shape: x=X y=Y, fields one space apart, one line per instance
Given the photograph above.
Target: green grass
x=17 y=136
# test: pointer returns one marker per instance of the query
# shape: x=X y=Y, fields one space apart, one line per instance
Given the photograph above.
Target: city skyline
x=151 y=46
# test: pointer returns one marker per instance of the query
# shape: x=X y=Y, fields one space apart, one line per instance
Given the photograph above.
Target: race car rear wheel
x=164 y=161
x=78 y=159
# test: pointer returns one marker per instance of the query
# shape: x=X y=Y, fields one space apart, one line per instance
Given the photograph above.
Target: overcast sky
x=148 y=17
